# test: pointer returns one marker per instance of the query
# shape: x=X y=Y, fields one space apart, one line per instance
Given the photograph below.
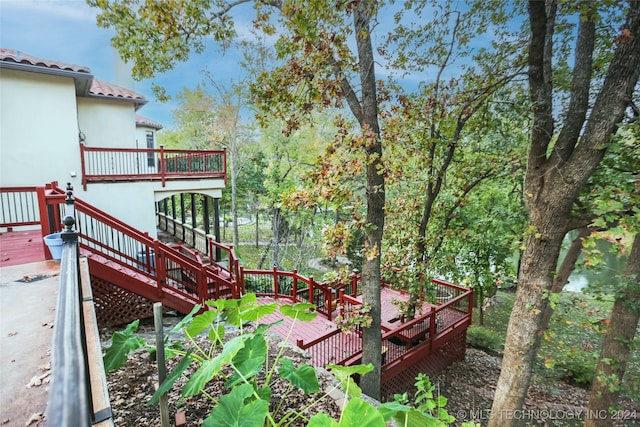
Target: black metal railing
x=70 y=401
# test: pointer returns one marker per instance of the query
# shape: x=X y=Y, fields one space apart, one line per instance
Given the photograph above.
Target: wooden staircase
x=133 y=261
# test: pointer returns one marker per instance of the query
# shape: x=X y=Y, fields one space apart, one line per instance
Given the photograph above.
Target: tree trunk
x=368 y=118
x=555 y=175
x=617 y=344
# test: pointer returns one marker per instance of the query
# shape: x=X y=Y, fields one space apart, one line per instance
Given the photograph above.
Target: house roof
x=23 y=58
x=86 y=84
x=110 y=90
x=143 y=121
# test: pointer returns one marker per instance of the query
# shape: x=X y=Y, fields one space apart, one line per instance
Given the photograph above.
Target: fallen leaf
x=35 y=418
x=38 y=380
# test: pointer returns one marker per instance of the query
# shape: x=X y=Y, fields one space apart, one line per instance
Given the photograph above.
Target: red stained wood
x=21 y=247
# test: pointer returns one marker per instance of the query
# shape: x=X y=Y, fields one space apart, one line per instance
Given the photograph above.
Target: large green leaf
x=255 y=312
x=186 y=319
x=390 y=409
x=211 y=367
x=249 y=360
x=344 y=375
x=416 y=418
x=359 y=413
x=304 y=376
x=302 y=311
x=171 y=378
x=122 y=343
x=201 y=322
x=322 y=420
x=233 y=411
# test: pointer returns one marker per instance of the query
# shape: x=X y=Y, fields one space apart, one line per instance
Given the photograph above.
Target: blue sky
x=66 y=30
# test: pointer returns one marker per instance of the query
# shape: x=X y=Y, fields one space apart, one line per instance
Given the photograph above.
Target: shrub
x=484 y=339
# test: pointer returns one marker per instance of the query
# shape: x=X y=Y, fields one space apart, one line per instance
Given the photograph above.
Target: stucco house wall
x=107 y=123
x=38 y=132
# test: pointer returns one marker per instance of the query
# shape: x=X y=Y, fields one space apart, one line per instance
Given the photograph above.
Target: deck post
x=163 y=174
x=354 y=283
x=82 y=165
x=294 y=290
x=44 y=222
x=276 y=289
x=432 y=326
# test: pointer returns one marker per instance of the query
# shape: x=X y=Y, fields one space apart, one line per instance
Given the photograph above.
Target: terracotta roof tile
x=99 y=87
x=16 y=56
x=143 y=121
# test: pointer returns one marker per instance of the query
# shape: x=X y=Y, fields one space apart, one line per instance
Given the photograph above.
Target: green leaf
x=322 y=420
x=201 y=322
x=209 y=368
x=186 y=319
x=256 y=312
x=216 y=334
x=233 y=411
x=122 y=343
x=304 y=376
x=359 y=413
x=249 y=360
x=302 y=311
x=390 y=409
x=171 y=378
x=264 y=393
x=344 y=373
x=172 y=349
x=415 y=418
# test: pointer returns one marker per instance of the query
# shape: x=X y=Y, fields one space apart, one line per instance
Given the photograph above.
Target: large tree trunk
x=556 y=175
x=368 y=118
x=617 y=344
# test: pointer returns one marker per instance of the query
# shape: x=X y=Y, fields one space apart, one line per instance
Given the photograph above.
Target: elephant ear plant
x=247 y=401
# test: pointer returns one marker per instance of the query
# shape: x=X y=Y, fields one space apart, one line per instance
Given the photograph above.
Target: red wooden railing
x=180 y=279
x=409 y=341
x=129 y=164
x=19 y=206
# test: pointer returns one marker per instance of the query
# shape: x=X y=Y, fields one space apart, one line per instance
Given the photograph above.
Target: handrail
x=126 y=164
x=69 y=402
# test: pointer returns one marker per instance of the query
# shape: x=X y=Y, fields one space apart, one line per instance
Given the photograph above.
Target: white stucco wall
x=107 y=123
x=38 y=129
x=40 y=121
x=131 y=202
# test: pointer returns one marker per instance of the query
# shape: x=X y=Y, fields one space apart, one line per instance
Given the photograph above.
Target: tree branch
x=580 y=85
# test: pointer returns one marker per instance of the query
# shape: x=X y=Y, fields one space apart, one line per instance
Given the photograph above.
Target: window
x=151 y=158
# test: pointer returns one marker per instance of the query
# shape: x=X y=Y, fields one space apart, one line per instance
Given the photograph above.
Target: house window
x=151 y=158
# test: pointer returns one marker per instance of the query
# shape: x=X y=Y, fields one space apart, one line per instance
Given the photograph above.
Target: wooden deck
x=320 y=326
x=21 y=247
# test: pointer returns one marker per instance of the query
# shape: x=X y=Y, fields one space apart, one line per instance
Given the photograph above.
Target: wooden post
x=294 y=290
x=275 y=282
x=162 y=166
x=162 y=369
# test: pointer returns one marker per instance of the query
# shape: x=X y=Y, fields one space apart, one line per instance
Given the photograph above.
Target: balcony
x=146 y=164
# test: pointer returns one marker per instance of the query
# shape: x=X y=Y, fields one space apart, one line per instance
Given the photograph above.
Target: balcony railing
x=135 y=164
